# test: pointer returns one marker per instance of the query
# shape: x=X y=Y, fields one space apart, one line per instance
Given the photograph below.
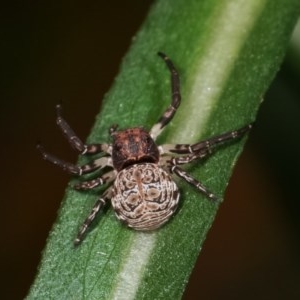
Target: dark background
x=71 y=52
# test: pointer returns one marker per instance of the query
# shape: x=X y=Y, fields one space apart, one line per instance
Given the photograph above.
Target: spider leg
x=100 y=203
x=213 y=142
x=74 y=140
x=194 y=182
x=91 y=184
x=196 y=151
x=182 y=160
x=176 y=97
x=205 y=145
x=72 y=168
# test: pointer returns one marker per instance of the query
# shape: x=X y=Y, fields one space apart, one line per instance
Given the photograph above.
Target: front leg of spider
x=139 y=173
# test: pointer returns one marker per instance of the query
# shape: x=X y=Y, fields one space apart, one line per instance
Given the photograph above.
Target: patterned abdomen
x=144 y=196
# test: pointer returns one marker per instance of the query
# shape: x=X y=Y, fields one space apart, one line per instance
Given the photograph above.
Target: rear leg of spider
x=194 y=182
x=98 y=206
x=91 y=184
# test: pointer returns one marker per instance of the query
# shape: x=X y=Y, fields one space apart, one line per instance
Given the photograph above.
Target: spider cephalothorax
x=140 y=185
x=132 y=146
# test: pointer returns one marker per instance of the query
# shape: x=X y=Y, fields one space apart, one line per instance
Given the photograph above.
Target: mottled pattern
x=144 y=196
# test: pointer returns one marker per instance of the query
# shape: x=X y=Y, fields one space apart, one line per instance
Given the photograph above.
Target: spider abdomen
x=144 y=196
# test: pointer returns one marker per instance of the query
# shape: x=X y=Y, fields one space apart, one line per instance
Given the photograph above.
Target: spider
x=140 y=181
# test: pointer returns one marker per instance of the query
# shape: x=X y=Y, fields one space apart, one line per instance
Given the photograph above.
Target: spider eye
x=117 y=147
x=149 y=139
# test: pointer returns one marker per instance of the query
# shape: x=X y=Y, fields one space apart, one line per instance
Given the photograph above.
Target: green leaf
x=227 y=53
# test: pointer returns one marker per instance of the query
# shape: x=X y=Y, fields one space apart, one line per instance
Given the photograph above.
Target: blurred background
x=64 y=50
